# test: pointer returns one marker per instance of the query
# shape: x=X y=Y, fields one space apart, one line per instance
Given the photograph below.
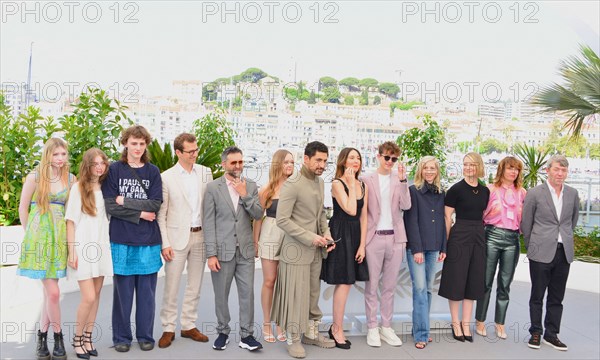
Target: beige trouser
x=193 y=255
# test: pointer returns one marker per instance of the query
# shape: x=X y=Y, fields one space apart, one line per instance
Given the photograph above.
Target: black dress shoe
x=460 y=338
x=344 y=345
x=146 y=345
x=468 y=338
x=122 y=347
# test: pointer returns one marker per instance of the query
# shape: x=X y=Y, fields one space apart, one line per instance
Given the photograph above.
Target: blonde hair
x=44 y=173
x=506 y=163
x=475 y=157
x=419 y=180
x=276 y=175
x=87 y=179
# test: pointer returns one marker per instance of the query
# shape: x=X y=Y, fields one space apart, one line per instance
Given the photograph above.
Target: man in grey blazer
x=180 y=222
x=549 y=217
x=230 y=205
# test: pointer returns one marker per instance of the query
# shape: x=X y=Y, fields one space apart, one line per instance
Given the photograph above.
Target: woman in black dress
x=346 y=263
x=463 y=273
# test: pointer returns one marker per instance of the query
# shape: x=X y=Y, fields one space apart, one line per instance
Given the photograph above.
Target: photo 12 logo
x=69 y=91
x=468 y=91
x=69 y=12
x=469 y=11
x=270 y=12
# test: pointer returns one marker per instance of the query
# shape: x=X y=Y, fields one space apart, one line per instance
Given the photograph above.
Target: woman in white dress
x=89 y=246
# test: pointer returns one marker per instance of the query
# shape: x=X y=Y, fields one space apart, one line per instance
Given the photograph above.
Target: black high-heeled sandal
x=78 y=343
x=87 y=339
x=468 y=338
x=460 y=338
x=344 y=345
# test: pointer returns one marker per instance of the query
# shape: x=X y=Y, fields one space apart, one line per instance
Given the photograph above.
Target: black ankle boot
x=59 y=352
x=42 y=352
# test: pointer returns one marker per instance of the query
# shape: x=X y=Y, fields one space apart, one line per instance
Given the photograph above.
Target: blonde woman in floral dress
x=44 y=247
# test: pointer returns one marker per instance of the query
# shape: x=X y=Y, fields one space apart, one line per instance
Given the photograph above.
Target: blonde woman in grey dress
x=268 y=236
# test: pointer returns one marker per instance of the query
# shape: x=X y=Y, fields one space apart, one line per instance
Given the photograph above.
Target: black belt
x=196 y=229
x=384 y=232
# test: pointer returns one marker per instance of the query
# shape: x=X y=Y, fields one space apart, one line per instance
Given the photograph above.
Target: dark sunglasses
x=387 y=158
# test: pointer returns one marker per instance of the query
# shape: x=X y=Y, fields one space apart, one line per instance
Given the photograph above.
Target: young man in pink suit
x=386 y=241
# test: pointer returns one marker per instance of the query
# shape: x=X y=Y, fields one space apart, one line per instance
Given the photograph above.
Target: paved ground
x=580 y=331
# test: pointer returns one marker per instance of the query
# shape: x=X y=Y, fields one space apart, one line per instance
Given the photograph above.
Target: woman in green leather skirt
x=502 y=218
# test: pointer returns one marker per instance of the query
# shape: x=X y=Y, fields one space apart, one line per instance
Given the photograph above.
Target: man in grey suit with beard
x=230 y=204
x=549 y=217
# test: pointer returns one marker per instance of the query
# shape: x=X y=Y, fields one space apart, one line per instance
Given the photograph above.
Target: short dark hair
x=312 y=147
x=181 y=138
x=230 y=150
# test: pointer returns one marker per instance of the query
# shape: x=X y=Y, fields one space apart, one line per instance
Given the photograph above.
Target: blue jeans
x=422 y=276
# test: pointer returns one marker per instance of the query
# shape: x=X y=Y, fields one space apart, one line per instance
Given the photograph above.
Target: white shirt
x=385 y=220
x=558 y=204
x=191 y=188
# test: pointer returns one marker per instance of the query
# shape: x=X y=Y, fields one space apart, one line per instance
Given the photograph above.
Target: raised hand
x=401 y=171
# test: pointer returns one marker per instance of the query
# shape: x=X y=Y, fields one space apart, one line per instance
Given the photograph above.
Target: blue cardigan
x=424 y=221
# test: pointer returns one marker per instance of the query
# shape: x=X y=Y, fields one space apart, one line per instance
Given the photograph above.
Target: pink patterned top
x=505 y=207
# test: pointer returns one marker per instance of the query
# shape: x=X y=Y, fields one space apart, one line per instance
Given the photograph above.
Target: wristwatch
x=403 y=181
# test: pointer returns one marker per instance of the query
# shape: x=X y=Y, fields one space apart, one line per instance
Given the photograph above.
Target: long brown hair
x=276 y=175
x=506 y=163
x=87 y=179
x=138 y=132
x=44 y=175
x=341 y=162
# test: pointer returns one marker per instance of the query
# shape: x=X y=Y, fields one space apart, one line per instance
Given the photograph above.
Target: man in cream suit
x=230 y=205
x=180 y=222
x=386 y=241
x=549 y=217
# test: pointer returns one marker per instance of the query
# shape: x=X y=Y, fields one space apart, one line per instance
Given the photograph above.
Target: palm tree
x=579 y=96
x=533 y=161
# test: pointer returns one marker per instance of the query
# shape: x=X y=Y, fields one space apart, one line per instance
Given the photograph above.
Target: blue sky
x=151 y=43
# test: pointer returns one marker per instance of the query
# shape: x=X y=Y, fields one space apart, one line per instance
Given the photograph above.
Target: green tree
x=163 y=158
x=376 y=100
x=364 y=98
x=96 y=121
x=20 y=150
x=464 y=146
x=327 y=82
x=351 y=83
x=214 y=134
x=367 y=83
x=391 y=90
x=401 y=105
x=533 y=161
x=579 y=95
x=348 y=100
x=209 y=91
x=489 y=146
x=252 y=75
x=331 y=95
x=416 y=143
x=312 y=98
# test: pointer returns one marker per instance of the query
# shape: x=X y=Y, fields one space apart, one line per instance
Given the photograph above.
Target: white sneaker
x=389 y=336
x=373 y=337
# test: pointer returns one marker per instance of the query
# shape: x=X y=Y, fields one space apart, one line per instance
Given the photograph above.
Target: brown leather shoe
x=166 y=339
x=194 y=334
